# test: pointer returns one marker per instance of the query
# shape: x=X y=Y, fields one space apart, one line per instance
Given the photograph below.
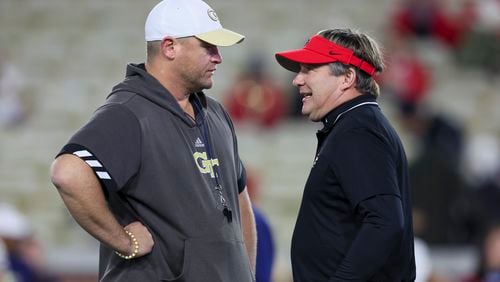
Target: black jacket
x=355 y=220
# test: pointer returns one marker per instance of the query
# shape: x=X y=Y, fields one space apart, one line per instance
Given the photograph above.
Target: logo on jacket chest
x=204 y=164
x=198 y=143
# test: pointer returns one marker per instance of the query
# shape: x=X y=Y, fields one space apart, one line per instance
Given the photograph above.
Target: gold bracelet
x=136 y=247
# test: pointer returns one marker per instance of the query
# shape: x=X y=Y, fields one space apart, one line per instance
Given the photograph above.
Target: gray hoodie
x=159 y=167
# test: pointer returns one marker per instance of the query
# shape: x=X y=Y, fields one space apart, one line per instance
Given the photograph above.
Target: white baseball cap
x=13 y=224
x=183 y=18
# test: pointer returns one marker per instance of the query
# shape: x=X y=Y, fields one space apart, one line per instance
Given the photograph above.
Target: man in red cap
x=355 y=221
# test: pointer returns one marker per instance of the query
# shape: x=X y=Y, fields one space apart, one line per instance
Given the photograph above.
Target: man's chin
x=203 y=87
x=208 y=85
x=312 y=117
x=308 y=114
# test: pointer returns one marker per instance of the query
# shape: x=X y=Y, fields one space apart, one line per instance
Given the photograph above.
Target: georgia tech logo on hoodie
x=204 y=164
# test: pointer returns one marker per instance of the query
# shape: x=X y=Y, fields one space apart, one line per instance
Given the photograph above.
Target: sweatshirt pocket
x=165 y=272
x=214 y=260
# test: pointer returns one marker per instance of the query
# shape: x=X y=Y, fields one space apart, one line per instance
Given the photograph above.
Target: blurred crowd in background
x=454 y=169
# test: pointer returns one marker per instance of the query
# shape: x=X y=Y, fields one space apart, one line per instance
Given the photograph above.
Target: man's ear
x=349 y=79
x=167 y=47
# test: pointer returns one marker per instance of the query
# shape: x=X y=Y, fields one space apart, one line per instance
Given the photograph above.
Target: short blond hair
x=152 y=49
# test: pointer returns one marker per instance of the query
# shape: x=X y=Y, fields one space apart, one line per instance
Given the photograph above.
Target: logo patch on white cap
x=211 y=13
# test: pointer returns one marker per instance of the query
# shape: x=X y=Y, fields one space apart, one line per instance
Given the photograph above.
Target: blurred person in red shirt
x=255 y=96
x=480 y=48
x=429 y=19
x=407 y=78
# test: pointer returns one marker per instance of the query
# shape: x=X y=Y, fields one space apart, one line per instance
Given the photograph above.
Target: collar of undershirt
x=334 y=116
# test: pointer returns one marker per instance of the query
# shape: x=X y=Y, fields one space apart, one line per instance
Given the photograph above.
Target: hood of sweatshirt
x=139 y=81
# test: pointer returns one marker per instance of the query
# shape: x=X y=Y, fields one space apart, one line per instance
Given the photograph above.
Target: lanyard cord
x=210 y=153
x=206 y=136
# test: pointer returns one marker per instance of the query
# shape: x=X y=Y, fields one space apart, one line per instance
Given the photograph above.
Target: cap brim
x=291 y=60
x=221 y=37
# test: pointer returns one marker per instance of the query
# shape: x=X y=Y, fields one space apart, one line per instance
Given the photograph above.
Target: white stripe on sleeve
x=103 y=175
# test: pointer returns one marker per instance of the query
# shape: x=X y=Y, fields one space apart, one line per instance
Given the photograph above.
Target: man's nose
x=216 y=56
x=297 y=80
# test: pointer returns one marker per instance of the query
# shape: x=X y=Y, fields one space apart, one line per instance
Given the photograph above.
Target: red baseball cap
x=319 y=50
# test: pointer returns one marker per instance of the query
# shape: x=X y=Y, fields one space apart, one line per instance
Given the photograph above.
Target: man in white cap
x=25 y=259
x=155 y=174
